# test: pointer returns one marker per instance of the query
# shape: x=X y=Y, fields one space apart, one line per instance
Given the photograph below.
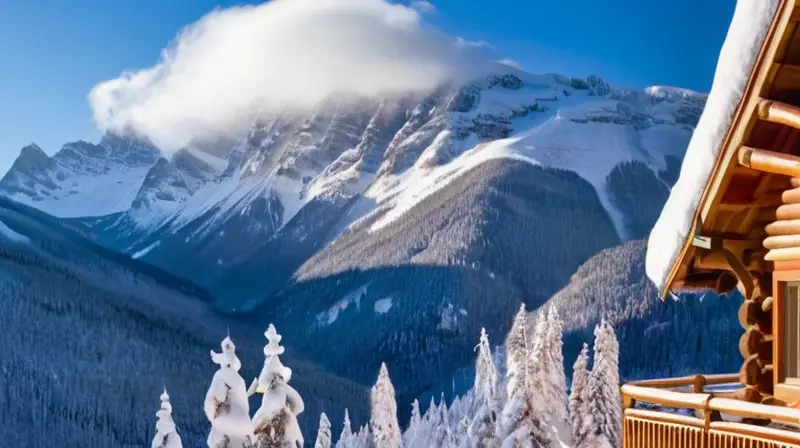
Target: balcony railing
x=708 y=424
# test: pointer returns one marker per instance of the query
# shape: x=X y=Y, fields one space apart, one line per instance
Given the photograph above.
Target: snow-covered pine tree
x=603 y=405
x=323 y=433
x=580 y=378
x=364 y=438
x=518 y=424
x=442 y=435
x=539 y=365
x=481 y=431
x=411 y=435
x=346 y=437
x=275 y=422
x=226 y=405
x=383 y=419
x=166 y=433
x=555 y=390
x=432 y=414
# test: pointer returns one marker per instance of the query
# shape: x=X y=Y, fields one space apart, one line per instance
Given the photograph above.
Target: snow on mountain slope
x=82 y=179
x=351 y=158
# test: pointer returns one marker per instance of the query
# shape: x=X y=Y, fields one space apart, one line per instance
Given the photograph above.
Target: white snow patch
x=146 y=250
x=216 y=163
x=383 y=306
x=13 y=235
x=331 y=314
x=747 y=31
x=85 y=195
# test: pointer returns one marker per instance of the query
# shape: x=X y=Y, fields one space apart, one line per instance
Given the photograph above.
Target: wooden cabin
x=741 y=199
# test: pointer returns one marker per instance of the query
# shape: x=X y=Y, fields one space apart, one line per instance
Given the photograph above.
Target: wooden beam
x=769 y=161
x=719 y=282
x=777 y=112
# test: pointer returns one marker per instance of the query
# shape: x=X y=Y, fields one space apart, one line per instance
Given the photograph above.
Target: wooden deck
x=656 y=415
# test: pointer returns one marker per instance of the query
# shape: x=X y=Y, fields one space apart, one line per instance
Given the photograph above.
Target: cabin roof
x=714 y=194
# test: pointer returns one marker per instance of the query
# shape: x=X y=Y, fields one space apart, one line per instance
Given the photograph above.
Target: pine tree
x=539 y=365
x=226 y=404
x=603 y=405
x=324 y=432
x=346 y=437
x=166 y=433
x=364 y=438
x=383 y=420
x=275 y=421
x=519 y=425
x=481 y=431
x=442 y=433
x=411 y=435
x=555 y=390
x=580 y=378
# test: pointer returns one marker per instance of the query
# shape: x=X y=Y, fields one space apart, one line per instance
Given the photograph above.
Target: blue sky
x=55 y=51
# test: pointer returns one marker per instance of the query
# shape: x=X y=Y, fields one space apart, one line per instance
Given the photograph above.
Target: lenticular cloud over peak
x=285 y=54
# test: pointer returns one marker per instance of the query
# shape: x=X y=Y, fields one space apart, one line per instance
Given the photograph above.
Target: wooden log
x=785 y=254
x=769 y=161
x=787 y=197
x=787 y=211
x=782 y=241
x=754 y=372
x=754 y=342
x=787 y=227
x=777 y=112
x=751 y=314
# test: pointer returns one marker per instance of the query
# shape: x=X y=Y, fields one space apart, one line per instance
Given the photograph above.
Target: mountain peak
x=31 y=159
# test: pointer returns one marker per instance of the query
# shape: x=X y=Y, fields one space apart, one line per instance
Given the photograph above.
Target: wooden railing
x=705 y=427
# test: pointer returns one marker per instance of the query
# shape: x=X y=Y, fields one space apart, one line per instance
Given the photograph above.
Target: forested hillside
x=697 y=333
x=89 y=343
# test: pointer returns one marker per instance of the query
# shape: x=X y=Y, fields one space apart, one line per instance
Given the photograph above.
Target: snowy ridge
x=386 y=154
x=749 y=26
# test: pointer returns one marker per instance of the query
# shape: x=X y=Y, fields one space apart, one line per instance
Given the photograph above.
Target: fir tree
x=519 y=426
x=346 y=437
x=226 y=405
x=481 y=431
x=166 y=433
x=411 y=435
x=324 y=432
x=555 y=380
x=383 y=419
x=442 y=436
x=603 y=406
x=275 y=421
x=580 y=378
x=364 y=438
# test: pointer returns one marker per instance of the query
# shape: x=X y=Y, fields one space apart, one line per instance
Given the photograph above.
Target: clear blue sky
x=55 y=51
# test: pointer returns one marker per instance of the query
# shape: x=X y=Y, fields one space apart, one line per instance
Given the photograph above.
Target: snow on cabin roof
x=746 y=34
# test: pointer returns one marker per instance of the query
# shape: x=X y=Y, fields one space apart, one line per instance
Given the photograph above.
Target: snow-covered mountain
x=416 y=219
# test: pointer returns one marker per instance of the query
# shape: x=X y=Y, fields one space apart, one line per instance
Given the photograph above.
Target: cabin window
x=791 y=336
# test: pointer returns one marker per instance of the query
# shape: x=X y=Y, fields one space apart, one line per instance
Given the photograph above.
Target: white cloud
x=512 y=63
x=461 y=42
x=284 y=54
x=423 y=6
